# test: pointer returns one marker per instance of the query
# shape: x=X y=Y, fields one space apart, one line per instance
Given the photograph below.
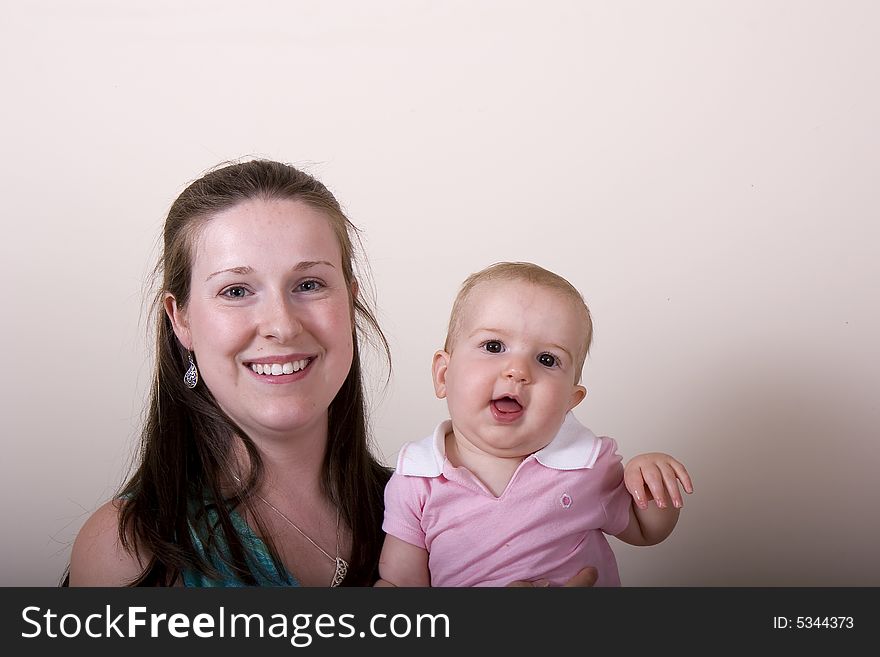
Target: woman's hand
x=585 y=577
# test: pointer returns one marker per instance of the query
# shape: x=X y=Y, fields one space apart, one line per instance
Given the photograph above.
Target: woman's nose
x=279 y=321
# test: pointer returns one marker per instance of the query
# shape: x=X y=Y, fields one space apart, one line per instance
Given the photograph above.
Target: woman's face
x=269 y=315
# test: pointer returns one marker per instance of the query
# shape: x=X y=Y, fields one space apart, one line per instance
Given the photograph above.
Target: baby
x=513 y=488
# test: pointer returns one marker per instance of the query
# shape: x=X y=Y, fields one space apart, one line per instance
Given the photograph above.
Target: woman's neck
x=292 y=463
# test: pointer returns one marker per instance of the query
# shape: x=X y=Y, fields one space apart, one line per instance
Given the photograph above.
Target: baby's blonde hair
x=529 y=273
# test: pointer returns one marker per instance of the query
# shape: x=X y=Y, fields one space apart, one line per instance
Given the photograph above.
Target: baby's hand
x=656 y=476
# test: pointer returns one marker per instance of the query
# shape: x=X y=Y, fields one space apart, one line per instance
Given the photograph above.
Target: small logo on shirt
x=565 y=500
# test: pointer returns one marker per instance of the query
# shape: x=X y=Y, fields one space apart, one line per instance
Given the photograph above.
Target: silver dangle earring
x=191 y=378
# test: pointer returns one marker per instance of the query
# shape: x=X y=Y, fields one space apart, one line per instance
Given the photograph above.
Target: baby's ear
x=577 y=396
x=438 y=369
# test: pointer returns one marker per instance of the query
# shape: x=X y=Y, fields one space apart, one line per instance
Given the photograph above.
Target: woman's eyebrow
x=232 y=270
x=308 y=264
x=243 y=271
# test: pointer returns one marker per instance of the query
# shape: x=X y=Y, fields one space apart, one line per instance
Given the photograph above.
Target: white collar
x=574 y=447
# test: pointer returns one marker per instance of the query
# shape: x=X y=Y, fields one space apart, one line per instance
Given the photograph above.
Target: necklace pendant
x=341 y=572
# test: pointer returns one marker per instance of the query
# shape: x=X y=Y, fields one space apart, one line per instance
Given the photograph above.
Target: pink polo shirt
x=549 y=522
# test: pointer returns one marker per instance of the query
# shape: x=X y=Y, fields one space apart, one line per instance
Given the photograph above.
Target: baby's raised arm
x=656 y=477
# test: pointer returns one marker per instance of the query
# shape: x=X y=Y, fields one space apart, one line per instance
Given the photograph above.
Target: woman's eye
x=309 y=286
x=236 y=292
x=493 y=347
x=547 y=360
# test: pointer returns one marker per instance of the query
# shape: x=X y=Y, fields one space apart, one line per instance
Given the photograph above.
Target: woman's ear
x=178 y=320
x=353 y=295
x=438 y=369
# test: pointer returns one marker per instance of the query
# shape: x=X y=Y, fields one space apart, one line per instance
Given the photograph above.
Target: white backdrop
x=704 y=172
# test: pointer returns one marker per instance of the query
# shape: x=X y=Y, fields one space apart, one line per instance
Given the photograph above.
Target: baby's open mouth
x=507 y=405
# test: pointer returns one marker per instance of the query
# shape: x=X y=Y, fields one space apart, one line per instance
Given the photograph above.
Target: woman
x=255 y=467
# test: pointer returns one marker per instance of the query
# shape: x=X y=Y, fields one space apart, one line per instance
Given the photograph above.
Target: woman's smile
x=280 y=370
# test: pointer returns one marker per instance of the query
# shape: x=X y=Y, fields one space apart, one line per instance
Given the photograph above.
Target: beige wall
x=705 y=172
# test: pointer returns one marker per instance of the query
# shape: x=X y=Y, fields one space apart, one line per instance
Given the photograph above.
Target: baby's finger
x=654 y=480
x=682 y=474
x=671 y=484
x=634 y=483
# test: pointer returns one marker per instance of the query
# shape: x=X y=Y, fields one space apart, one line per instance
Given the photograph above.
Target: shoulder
x=424 y=458
x=609 y=464
x=98 y=557
x=608 y=451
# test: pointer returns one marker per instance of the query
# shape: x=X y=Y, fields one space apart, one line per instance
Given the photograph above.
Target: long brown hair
x=187 y=439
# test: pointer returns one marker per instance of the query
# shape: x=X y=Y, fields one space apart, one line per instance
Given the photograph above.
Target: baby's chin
x=500 y=449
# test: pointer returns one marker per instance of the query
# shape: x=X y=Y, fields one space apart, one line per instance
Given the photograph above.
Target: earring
x=191 y=378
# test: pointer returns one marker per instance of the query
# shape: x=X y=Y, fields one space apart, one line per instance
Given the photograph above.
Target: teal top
x=259 y=558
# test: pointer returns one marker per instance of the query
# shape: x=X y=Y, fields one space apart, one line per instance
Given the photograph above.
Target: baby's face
x=511 y=375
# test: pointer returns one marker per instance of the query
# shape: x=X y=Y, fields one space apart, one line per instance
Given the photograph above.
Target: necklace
x=341 y=564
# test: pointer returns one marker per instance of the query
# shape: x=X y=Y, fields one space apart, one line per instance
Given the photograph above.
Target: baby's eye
x=309 y=286
x=548 y=360
x=493 y=346
x=235 y=292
